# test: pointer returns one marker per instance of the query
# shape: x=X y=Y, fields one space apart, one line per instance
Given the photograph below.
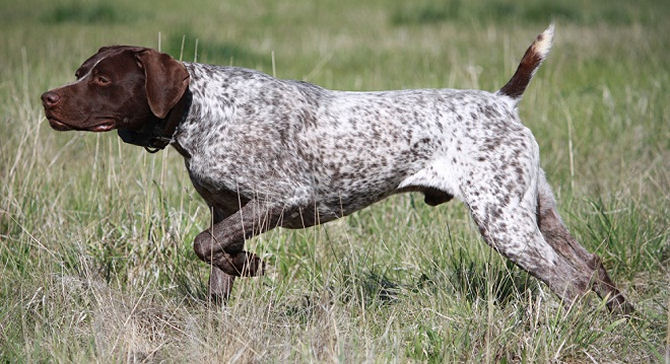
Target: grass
x=88 y=13
x=96 y=261
x=527 y=12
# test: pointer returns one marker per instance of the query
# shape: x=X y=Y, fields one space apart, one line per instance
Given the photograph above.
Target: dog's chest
x=222 y=198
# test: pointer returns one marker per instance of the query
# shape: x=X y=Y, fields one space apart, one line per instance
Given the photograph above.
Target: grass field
x=96 y=262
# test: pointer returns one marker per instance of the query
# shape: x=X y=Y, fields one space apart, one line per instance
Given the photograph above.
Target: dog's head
x=118 y=87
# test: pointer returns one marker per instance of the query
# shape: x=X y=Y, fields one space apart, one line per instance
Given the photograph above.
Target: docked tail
x=531 y=60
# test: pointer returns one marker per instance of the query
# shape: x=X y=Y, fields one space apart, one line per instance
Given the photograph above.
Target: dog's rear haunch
x=265 y=152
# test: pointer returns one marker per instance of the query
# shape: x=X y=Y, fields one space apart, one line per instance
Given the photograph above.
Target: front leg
x=222 y=245
x=220 y=283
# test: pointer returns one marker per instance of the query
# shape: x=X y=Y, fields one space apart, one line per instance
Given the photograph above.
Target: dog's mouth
x=105 y=124
x=57 y=124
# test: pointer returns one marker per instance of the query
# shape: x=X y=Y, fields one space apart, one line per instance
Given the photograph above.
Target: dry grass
x=95 y=236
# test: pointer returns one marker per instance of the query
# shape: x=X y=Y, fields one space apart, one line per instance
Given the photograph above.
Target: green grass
x=89 y=13
x=96 y=262
x=527 y=12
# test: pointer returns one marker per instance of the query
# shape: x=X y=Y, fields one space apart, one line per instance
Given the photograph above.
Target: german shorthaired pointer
x=265 y=152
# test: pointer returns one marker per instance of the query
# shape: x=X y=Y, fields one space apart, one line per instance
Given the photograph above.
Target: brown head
x=120 y=87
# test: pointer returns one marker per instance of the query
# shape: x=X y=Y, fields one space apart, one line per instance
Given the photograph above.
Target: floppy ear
x=166 y=80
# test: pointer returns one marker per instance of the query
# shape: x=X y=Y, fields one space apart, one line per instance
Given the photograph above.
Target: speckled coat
x=317 y=155
x=297 y=145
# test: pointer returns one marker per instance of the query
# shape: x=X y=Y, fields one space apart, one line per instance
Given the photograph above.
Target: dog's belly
x=323 y=210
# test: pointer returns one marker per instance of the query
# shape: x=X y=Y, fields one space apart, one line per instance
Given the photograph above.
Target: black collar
x=157 y=135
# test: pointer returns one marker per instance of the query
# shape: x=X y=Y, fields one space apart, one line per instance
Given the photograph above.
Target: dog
x=265 y=152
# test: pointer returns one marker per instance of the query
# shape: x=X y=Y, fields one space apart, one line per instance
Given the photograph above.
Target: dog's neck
x=210 y=111
x=156 y=135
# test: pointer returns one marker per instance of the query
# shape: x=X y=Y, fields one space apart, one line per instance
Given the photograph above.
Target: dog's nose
x=50 y=98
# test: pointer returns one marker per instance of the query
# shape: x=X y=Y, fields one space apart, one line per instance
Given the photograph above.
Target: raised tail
x=531 y=60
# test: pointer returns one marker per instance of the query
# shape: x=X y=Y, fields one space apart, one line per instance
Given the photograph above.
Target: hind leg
x=557 y=235
x=502 y=194
x=512 y=230
x=521 y=223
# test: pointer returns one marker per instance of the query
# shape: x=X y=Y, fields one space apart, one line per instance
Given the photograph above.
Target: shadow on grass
x=369 y=287
x=474 y=279
x=470 y=277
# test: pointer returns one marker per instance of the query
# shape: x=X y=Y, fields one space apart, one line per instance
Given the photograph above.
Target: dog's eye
x=102 y=80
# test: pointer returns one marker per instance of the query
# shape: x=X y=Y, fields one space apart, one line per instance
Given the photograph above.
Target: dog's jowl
x=265 y=152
